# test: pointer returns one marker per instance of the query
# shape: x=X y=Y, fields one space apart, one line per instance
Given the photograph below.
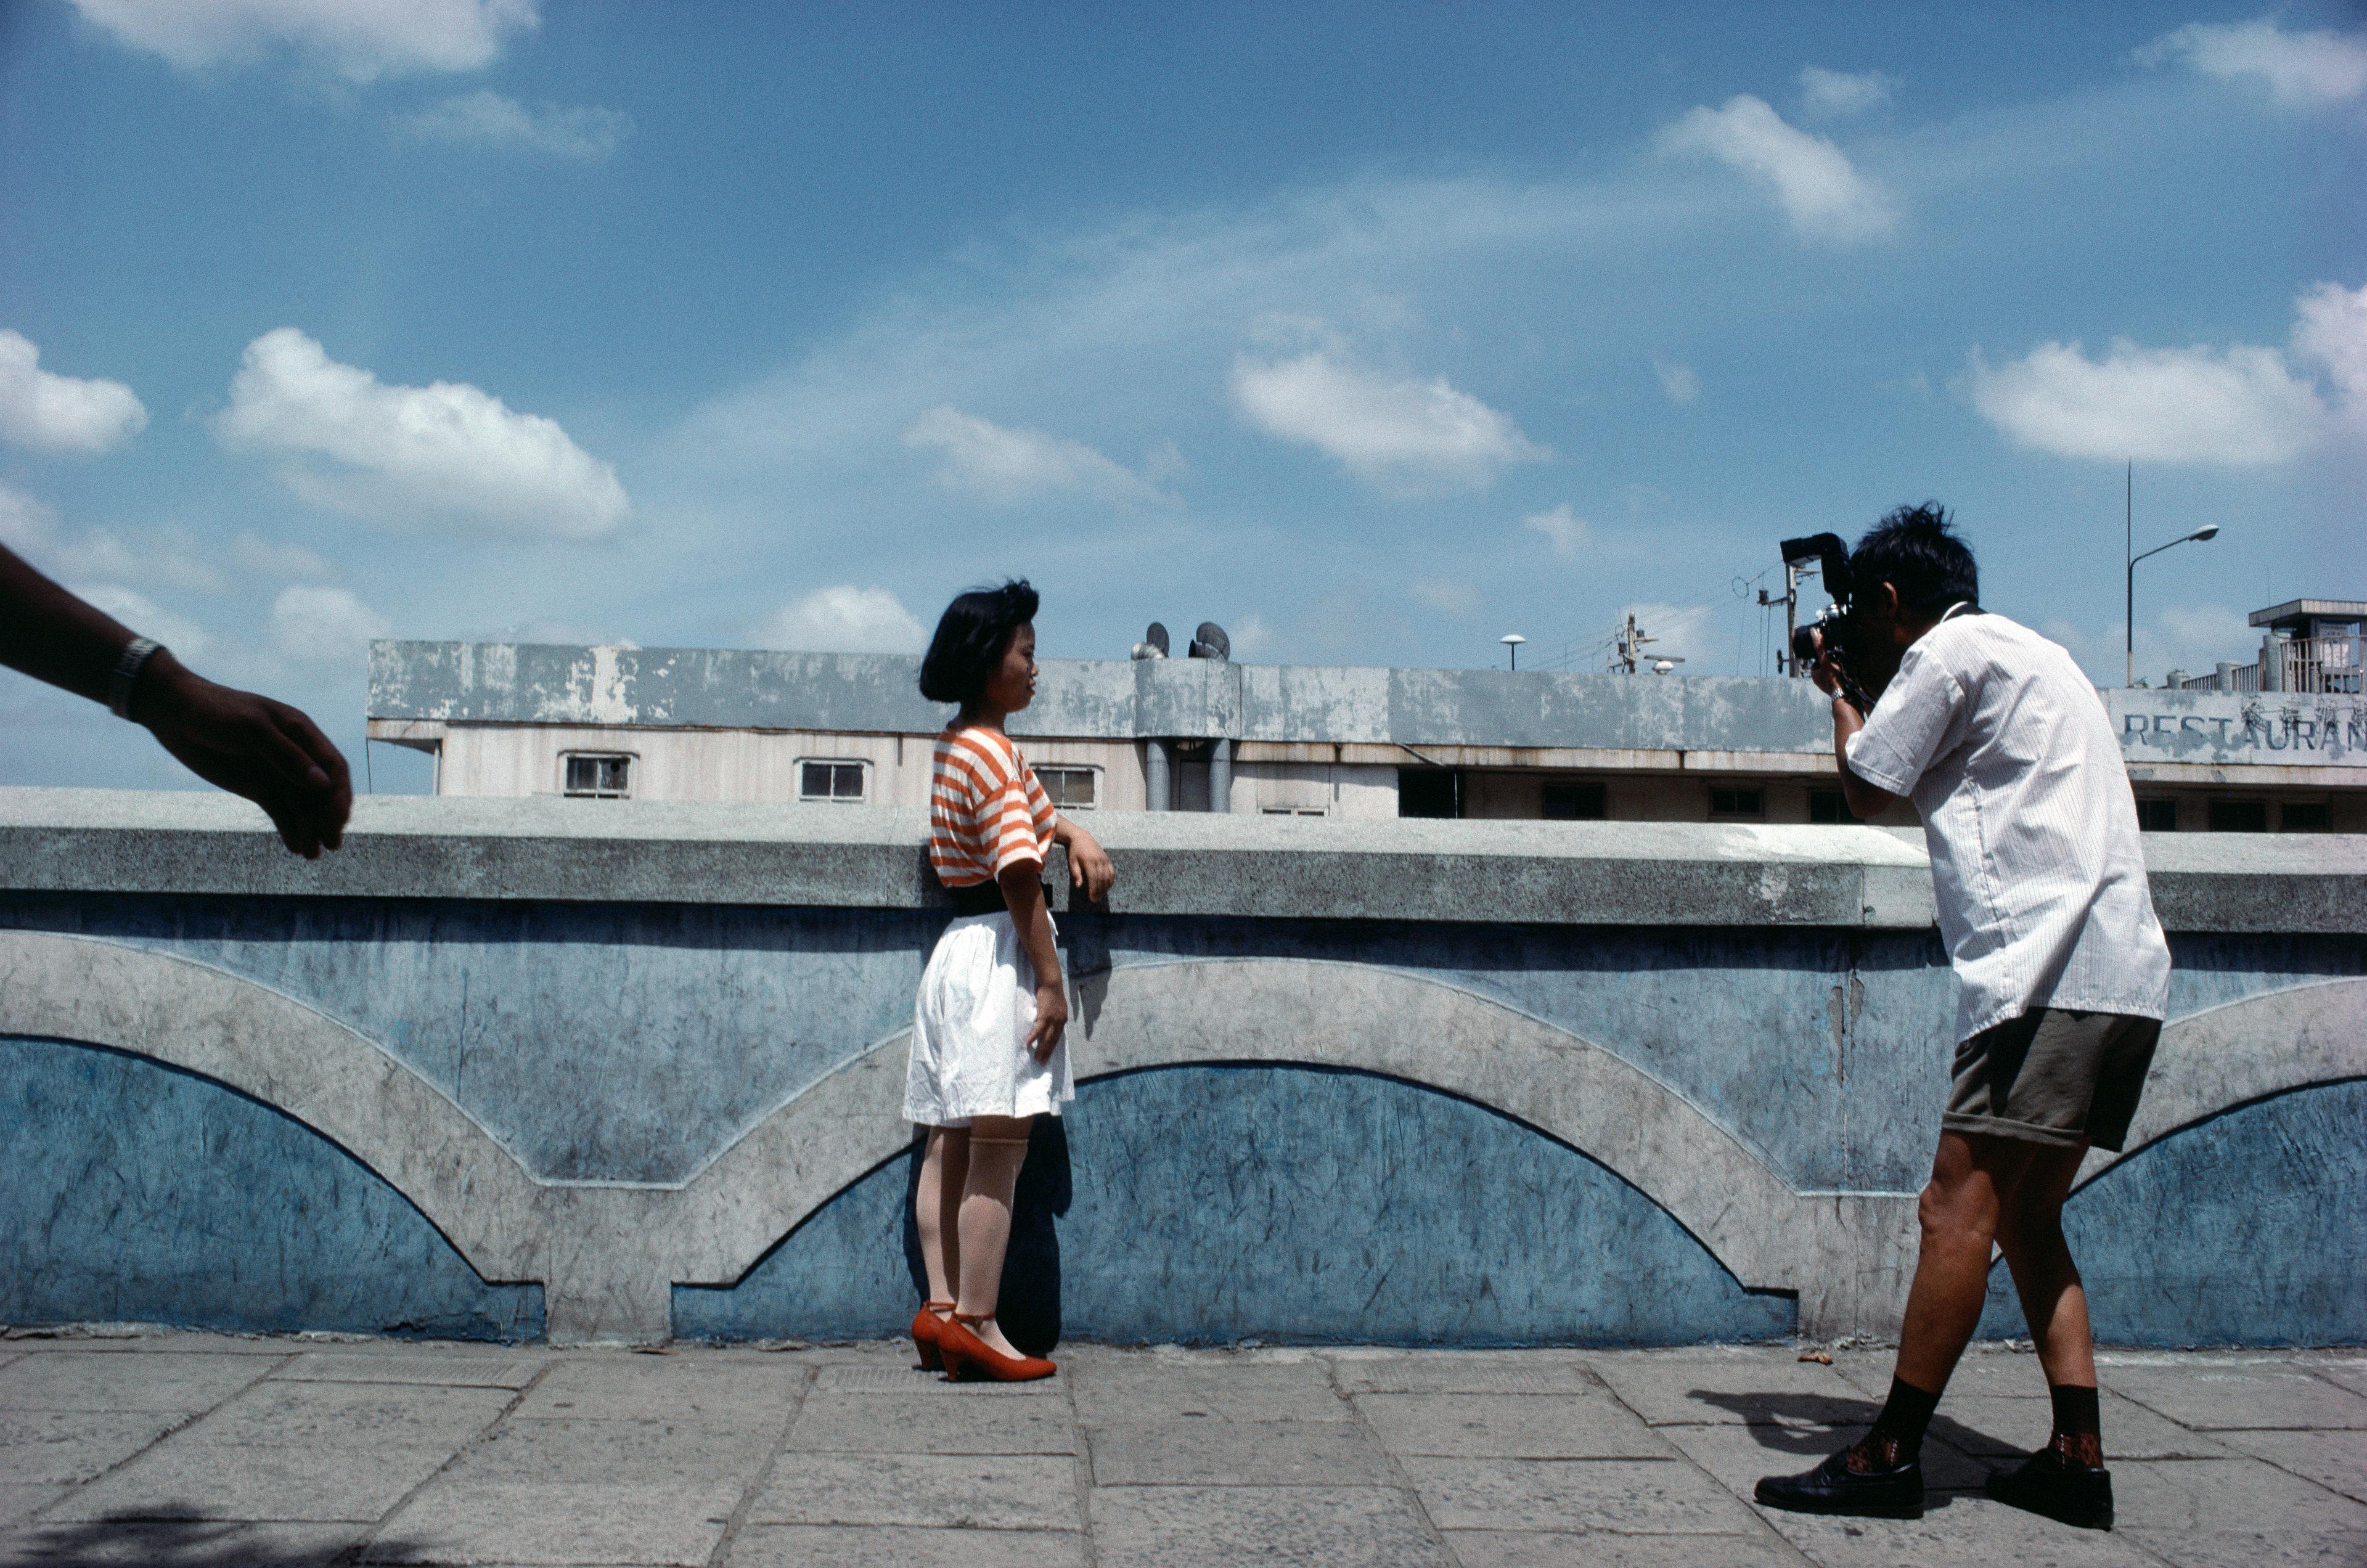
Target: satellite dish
x=1211 y=642
x=1153 y=644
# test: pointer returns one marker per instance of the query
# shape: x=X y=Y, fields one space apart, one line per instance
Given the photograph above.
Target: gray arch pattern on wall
x=608 y=1254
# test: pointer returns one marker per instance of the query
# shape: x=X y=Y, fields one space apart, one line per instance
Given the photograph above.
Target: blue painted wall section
x=1217 y=1203
x=2237 y=1231
x=136 y=1192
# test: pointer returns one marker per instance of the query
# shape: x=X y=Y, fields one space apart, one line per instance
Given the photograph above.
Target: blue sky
x=1370 y=332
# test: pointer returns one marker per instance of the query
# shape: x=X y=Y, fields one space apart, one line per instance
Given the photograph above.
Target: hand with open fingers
x=250 y=745
x=1051 y=1019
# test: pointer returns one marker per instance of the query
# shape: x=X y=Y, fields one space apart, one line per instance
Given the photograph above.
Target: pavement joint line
x=73 y=1489
x=1767 y=1531
x=755 y=1488
x=1362 y=1424
x=1082 y=1470
x=370 y=1537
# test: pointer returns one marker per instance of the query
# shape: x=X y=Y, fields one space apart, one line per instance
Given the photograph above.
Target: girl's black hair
x=972 y=637
x=1915 y=550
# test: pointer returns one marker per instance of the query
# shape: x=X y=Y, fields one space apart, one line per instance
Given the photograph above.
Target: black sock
x=1905 y=1415
x=2078 y=1425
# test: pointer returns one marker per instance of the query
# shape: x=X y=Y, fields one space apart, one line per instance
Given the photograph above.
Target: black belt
x=977 y=898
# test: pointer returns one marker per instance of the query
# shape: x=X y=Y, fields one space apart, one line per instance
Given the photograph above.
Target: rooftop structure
x=2313 y=646
x=1313 y=740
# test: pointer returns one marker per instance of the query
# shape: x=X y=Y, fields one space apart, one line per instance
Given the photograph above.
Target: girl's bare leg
x=998 y=1148
x=944 y=1170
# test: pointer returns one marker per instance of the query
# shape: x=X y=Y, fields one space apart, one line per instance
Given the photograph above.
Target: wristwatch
x=126 y=673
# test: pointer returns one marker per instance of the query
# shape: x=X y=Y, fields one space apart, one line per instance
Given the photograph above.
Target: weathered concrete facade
x=616 y=1069
x=708 y=724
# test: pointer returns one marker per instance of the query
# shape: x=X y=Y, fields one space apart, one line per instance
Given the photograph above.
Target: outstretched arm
x=248 y=744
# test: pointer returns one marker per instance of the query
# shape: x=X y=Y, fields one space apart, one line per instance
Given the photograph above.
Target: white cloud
x=2300 y=69
x=485 y=119
x=1677 y=380
x=1445 y=594
x=61 y=414
x=1820 y=191
x=359 y=40
x=1830 y=95
x=314 y=624
x=144 y=617
x=2331 y=329
x=2241 y=406
x=1402 y=435
x=1003 y=465
x=267 y=559
x=1563 y=528
x=844 y=619
x=443 y=455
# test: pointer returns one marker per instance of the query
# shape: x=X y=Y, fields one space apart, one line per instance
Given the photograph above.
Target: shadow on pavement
x=1809 y=1426
x=146 y=1543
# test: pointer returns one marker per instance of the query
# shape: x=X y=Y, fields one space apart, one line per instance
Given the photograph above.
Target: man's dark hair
x=1915 y=550
x=972 y=637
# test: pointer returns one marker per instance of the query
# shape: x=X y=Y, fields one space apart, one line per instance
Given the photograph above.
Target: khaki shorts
x=2053 y=1075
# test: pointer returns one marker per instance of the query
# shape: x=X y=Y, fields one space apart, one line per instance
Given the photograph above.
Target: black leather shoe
x=2068 y=1493
x=1833 y=1488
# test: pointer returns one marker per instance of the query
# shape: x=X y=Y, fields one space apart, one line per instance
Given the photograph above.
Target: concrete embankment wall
x=611 y=1070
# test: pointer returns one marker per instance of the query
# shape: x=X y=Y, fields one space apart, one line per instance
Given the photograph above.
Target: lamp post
x=1511 y=641
x=2129 y=624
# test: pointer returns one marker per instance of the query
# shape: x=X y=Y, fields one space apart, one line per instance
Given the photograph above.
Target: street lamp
x=1511 y=641
x=2130 y=617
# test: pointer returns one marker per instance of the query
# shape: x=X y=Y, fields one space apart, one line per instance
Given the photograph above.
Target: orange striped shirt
x=986 y=810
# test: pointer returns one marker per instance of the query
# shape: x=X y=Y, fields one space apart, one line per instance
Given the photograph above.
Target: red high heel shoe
x=926 y=1325
x=969 y=1359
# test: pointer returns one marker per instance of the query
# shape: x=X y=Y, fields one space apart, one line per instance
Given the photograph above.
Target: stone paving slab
x=74 y=1445
x=976 y=1490
x=1536 y=1549
x=461 y=1370
x=839 y=1546
x=1508 y=1425
x=678 y=1387
x=180 y=1544
x=1236 y=1453
x=2336 y=1461
x=567 y=1524
x=352 y=1483
x=922 y=1425
x=1650 y=1497
x=199 y=1451
x=110 y=1380
x=2231 y=1398
x=1211 y=1527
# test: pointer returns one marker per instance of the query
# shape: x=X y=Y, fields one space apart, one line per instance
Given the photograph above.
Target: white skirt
x=970 y=1031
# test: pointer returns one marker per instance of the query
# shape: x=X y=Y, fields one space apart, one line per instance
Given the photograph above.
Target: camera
x=1835 y=628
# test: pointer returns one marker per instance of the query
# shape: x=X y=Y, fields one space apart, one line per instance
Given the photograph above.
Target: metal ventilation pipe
x=1155 y=776
x=1221 y=773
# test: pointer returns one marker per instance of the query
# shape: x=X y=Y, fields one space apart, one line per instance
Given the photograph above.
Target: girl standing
x=987 y=1052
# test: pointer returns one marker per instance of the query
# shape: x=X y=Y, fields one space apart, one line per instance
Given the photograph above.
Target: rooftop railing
x=2289 y=665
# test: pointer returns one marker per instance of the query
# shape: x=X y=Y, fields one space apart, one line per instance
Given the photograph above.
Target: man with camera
x=2002 y=744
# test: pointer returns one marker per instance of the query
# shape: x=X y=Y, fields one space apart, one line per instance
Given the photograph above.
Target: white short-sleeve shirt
x=2007 y=751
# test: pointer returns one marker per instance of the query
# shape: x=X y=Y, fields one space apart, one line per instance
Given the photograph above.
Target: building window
x=595 y=776
x=2308 y=817
x=1430 y=792
x=1828 y=806
x=2157 y=815
x=2240 y=816
x=1738 y=802
x=1070 y=789
x=838 y=782
x=1574 y=801
x=1294 y=811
